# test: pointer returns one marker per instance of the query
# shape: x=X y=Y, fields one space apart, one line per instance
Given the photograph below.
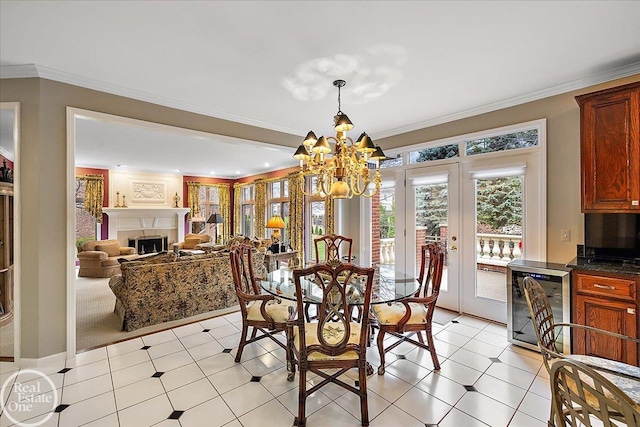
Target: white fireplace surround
x=148 y=218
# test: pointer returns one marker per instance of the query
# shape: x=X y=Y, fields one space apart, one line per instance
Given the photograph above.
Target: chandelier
x=345 y=172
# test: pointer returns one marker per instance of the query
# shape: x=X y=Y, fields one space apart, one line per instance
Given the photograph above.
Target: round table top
x=388 y=285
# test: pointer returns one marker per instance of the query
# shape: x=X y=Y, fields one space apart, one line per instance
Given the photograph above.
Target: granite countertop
x=615 y=267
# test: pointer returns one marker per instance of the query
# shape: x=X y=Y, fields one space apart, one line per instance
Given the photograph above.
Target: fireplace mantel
x=148 y=218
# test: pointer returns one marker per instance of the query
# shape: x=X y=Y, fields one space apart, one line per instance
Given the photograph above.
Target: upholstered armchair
x=192 y=240
x=99 y=258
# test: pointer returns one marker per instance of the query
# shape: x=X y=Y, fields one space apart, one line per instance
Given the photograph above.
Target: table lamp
x=276 y=223
x=215 y=219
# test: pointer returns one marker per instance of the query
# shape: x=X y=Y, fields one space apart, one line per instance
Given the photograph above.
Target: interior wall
x=563 y=156
x=43 y=171
x=123 y=181
x=43 y=176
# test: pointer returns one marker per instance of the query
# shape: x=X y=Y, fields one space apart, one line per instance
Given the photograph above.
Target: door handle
x=454 y=248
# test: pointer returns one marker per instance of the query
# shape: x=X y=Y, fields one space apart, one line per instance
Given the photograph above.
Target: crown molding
x=594 y=79
x=33 y=70
x=25 y=71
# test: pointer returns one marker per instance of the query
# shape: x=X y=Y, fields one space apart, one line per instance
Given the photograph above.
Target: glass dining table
x=389 y=285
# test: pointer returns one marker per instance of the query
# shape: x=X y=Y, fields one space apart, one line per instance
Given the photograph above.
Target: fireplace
x=149 y=227
x=150 y=244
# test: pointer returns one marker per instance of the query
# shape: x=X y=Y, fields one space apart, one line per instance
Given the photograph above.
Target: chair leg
x=291 y=362
x=302 y=397
x=381 y=351
x=364 y=404
x=243 y=341
x=432 y=349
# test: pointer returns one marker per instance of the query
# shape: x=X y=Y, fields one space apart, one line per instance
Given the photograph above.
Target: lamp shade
x=215 y=219
x=275 y=221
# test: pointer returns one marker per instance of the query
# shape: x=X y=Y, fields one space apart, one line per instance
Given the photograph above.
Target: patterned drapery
x=237 y=208
x=329 y=207
x=224 y=200
x=94 y=195
x=261 y=202
x=296 y=212
x=193 y=198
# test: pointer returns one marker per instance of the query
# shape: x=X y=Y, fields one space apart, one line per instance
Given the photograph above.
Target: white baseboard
x=26 y=362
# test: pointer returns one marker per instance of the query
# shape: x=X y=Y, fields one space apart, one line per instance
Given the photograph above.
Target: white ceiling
x=270 y=64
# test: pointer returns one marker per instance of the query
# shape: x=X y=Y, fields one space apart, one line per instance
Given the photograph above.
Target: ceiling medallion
x=345 y=172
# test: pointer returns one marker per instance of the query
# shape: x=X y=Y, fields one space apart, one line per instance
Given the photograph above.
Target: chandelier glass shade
x=346 y=169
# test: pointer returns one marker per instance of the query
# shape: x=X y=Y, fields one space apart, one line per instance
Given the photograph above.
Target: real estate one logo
x=32 y=395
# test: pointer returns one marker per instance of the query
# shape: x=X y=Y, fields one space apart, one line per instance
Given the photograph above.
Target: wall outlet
x=565 y=235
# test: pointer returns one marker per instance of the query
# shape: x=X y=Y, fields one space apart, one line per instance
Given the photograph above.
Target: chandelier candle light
x=347 y=171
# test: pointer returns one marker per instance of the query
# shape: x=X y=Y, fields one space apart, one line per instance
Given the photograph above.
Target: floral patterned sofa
x=165 y=287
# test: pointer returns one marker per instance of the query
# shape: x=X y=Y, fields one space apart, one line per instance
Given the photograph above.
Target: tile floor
x=187 y=377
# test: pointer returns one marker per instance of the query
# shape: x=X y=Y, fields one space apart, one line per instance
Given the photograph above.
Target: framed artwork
x=149 y=192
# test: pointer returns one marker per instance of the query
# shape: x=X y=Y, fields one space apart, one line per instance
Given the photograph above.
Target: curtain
x=224 y=194
x=328 y=201
x=94 y=195
x=260 y=212
x=296 y=213
x=237 y=208
x=193 y=198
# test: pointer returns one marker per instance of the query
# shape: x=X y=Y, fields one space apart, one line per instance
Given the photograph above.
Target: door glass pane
x=432 y=217
x=387 y=240
x=498 y=233
x=317 y=224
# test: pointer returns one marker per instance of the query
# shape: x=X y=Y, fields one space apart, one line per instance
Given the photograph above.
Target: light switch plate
x=565 y=235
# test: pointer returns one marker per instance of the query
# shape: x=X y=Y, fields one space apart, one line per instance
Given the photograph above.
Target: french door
x=484 y=213
x=432 y=206
x=504 y=219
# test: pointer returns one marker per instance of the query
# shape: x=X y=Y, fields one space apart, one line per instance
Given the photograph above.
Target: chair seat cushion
x=333 y=333
x=628 y=386
x=391 y=314
x=277 y=309
x=111 y=249
x=191 y=242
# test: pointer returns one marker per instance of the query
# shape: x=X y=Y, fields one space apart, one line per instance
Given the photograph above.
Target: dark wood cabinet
x=610 y=149
x=606 y=302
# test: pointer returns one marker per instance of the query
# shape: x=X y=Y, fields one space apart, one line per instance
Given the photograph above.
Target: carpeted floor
x=96 y=323
x=443 y=316
x=6 y=339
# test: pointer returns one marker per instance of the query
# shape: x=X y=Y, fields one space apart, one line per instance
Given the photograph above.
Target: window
x=434 y=153
x=392 y=162
x=86 y=225
x=209 y=205
x=247 y=210
x=278 y=204
x=508 y=141
x=316 y=218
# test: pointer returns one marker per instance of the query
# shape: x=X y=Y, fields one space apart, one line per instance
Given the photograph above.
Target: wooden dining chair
x=333 y=245
x=413 y=316
x=579 y=394
x=335 y=341
x=264 y=313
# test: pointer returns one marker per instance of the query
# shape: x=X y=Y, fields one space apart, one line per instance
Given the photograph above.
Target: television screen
x=612 y=235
